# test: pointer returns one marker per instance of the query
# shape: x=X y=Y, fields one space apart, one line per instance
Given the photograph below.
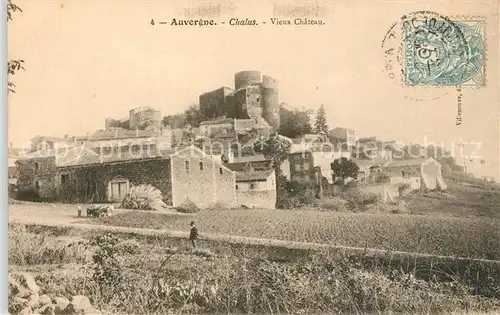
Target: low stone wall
x=265 y=199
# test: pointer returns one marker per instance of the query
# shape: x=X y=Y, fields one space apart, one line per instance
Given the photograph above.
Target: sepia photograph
x=194 y=157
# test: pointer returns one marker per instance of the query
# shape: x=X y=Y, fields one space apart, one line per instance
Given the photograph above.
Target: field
x=448 y=236
x=141 y=278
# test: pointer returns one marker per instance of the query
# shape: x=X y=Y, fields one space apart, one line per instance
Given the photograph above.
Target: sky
x=87 y=60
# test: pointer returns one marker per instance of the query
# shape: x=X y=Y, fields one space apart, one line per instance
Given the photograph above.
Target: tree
x=275 y=149
x=294 y=123
x=343 y=168
x=191 y=116
x=320 y=125
x=13 y=66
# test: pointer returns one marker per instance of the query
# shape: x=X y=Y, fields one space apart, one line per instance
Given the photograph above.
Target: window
x=297 y=167
x=186 y=165
x=64 y=179
x=37 y=185
x=136 y=147
x=220 y=170
x=37 y=166
x=201 y=166
x=236 y=187
x=252 y=186
x=306 y=177
x=124 y=148
x=272 y=181
x=258 y=99
x=306 y=166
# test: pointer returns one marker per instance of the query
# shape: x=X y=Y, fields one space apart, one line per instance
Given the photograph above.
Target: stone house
x=200 y=178
x=417 y=173
x=45 y=142
x=344 y=134
x=210 y=128
x=256 y=189
x=82 y=175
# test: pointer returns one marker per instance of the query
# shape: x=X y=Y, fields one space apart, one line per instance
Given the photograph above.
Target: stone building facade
x=201 y=179
x=111 y=181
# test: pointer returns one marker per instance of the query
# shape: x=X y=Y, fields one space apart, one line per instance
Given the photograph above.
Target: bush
x=143 y=197
x=188 y=207
x=296 y=195
x=28 y=193
x=333 y=203
x=358 y=200
x=381 y=179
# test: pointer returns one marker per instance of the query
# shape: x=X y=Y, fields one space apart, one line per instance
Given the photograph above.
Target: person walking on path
x=193 y=235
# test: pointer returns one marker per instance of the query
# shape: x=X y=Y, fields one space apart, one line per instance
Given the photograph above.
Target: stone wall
x=265 y=199
x=90 y=183
x=198 y=177
x=36 y=179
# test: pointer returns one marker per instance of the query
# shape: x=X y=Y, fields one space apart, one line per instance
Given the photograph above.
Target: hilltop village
x=210 y=155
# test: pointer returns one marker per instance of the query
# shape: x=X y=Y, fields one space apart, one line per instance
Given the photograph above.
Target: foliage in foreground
x=126 y=278
x=143 y=197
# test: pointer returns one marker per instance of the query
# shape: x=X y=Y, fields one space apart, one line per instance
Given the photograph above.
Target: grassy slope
x=469 y=200
x=465 y=237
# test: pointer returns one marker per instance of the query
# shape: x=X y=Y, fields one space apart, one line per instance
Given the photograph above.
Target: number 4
x=152 y=22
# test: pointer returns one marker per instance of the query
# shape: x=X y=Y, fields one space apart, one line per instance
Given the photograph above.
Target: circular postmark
x=426 y=49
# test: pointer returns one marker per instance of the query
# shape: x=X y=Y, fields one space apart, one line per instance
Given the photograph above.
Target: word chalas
x=235 y=21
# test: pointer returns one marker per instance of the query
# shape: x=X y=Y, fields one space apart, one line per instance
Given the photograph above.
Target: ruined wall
x=254 y=101
x=213 y=103
x=36 y=178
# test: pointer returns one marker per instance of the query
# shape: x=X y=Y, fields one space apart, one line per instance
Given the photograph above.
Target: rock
x=44 y=300
x=60 y=304
x=27 y=281
x=81 y=305
x=47 y=309
x=33 y=300
x=16 y=304
x=26 y=311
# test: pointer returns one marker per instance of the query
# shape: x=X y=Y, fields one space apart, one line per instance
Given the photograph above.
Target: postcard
x=254 y=157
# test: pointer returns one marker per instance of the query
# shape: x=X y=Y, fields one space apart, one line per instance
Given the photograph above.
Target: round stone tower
x=244 y=78
x=270 y=102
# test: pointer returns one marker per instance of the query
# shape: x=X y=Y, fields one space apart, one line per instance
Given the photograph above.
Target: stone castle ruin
x=254 y=95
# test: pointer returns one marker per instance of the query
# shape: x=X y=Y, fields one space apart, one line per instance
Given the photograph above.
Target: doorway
x=118 y=190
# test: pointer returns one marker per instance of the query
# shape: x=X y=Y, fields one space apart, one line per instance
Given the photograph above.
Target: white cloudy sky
x=86 y=60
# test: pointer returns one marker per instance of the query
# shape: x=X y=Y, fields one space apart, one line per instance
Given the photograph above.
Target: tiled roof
x=256 y=176
x=50 y=138
x=257 y=165
x=217 y=121
x=121 y=133
x=362 y=164
x=407 y=162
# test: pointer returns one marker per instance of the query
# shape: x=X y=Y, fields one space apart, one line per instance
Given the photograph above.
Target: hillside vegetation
x=122 y=274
